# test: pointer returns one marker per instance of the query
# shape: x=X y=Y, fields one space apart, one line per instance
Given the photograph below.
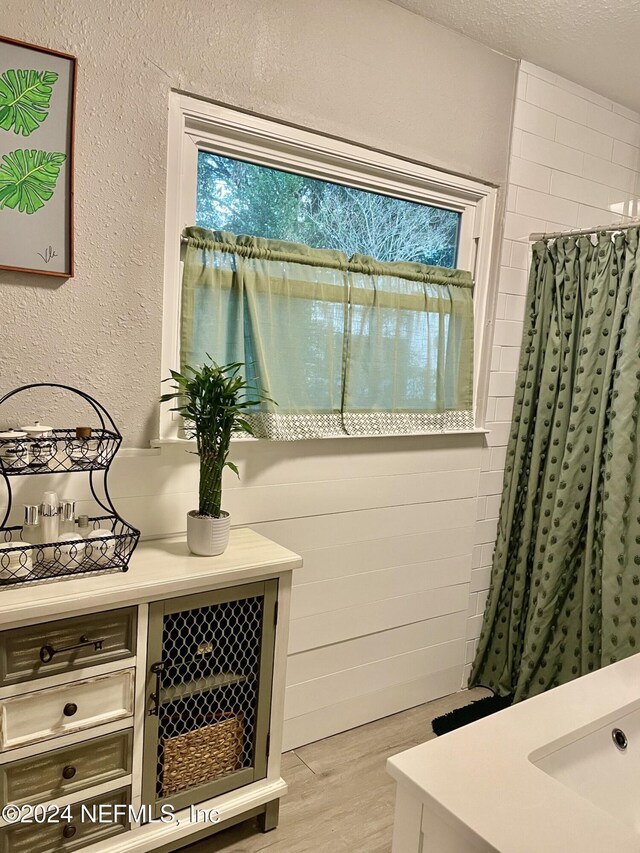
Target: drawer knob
x=69 y=830
x=68 y=772
x=70 y=709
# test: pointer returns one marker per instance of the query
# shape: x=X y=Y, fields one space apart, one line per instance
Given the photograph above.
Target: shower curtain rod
x=577 y=232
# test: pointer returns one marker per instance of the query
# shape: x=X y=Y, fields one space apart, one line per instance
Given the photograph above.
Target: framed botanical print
x=37 y=98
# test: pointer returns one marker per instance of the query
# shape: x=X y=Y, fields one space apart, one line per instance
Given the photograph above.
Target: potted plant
x=213 y=400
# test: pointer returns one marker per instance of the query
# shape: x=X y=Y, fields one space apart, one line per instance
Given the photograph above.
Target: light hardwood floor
x=340 y=798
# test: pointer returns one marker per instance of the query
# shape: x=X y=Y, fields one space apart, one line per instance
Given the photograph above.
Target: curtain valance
x=346 y=346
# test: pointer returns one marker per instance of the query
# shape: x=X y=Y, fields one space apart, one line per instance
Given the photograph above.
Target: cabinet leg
x=268 y=820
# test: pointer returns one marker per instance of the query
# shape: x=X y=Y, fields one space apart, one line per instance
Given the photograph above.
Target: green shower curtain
x=565 y=586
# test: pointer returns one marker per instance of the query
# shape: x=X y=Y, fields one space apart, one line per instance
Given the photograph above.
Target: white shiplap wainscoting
x=386 y=530
x=575 y=163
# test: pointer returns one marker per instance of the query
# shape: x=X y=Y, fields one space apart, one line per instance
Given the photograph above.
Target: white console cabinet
x=142 y=711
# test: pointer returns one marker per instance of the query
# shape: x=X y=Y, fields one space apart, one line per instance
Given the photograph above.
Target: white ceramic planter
x=207 y=537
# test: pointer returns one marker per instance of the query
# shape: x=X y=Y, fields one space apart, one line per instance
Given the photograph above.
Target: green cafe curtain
x=565 y=587
x=345 y=346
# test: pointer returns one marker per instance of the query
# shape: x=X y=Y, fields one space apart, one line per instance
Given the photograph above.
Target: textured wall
x=362 y=69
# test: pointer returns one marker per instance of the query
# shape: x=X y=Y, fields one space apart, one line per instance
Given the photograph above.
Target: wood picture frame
x=37 y=131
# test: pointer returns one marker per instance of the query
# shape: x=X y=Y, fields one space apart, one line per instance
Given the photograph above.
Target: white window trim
x=195 y=124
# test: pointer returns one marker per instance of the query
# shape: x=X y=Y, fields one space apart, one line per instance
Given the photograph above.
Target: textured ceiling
x=592 y=42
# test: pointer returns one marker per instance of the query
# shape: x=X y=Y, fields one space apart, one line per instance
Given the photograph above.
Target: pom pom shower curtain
x=565 y=587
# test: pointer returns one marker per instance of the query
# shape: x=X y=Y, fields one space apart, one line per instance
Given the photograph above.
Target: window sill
x=190 y=442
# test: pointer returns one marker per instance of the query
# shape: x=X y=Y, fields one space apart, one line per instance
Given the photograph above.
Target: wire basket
x=22 y=562
x=64 y=451
x=60 y=453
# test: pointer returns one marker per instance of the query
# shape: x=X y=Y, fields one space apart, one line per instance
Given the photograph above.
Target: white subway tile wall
x=575 y=163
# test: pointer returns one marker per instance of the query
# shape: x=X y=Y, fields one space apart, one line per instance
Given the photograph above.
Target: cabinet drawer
x=64 y=771
x=68 y=836
x=59 y=710
x=21 y=648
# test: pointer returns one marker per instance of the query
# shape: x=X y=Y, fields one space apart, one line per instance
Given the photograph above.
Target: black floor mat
x=470 y=713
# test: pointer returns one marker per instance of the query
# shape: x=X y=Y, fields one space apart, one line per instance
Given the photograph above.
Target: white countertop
x=479 y=778
x=158 y=569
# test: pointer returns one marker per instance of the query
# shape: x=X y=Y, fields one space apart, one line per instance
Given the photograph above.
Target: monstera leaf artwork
x=28 y=179
x=37 y=101
x=25 y=97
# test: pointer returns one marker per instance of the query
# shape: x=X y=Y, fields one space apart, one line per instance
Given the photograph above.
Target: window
x=245 y=198
x=367 y=220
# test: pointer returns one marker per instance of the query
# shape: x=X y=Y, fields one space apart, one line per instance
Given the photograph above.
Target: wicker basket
x=203 y=755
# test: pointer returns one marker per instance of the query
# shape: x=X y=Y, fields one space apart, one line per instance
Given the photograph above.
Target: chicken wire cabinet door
x=209 y=677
